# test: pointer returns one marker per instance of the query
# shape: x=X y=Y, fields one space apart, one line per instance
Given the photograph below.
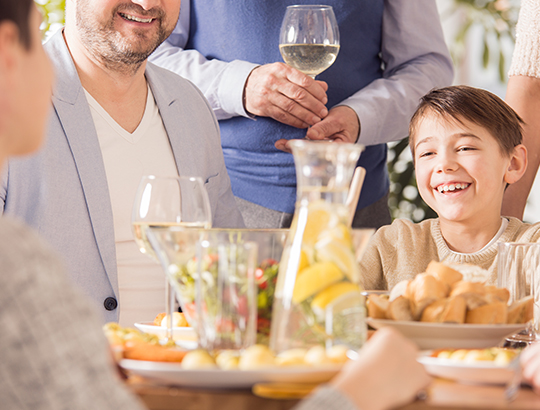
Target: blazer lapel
x=175 y=114
x=74 y=113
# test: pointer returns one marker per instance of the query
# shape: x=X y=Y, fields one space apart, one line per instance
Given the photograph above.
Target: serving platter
x=449 y=335
x=173 y=374
x=481 y=372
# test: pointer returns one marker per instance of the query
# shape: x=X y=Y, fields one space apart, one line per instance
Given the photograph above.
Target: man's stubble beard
x=109 y=47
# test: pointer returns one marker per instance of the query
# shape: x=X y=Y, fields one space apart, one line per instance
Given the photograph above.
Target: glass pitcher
x=318 y=296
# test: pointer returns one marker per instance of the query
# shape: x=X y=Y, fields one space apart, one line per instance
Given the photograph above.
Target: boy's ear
x=517 y=165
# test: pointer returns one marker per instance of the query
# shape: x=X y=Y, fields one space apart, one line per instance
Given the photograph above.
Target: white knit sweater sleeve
x=526 y=57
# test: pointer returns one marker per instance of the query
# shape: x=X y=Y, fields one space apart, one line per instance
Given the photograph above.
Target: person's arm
x=416 y=60
x=241 y=88
x=385 y=375
x=523 y=95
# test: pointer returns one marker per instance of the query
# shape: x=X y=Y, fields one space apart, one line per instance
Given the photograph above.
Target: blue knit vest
x=249 y=30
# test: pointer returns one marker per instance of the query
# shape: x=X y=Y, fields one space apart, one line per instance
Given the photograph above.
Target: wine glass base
x=520 y=340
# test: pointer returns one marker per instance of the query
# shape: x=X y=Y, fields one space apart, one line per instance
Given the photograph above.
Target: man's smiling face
x=122 y=34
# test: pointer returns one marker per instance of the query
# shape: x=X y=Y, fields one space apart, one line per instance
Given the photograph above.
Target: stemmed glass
x=169 y=201
x=309 y=38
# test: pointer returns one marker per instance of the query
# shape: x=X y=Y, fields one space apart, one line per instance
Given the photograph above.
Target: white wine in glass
x=169 y=201
x=309 y=38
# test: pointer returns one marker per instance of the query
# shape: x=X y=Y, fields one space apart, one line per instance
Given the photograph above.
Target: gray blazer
x=62 y=190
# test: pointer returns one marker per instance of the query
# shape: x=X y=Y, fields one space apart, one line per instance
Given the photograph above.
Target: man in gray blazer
x=75 y=190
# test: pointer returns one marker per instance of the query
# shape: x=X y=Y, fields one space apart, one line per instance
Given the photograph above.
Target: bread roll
x=377 y=306
x=495 y=294
x=490 y=314
x=449 y=310
x=444 y=273
x=521 y=311
x=433 y=312
x=399 y=289
x=473 y=292
x=423 y=291
x=399 y=309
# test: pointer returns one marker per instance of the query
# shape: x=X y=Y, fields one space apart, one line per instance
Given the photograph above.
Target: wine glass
x=169 y=201
x=518 y=270
x=309 y=38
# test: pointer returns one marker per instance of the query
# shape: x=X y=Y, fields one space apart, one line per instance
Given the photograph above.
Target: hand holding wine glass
x=309 y=38
x=169 y=201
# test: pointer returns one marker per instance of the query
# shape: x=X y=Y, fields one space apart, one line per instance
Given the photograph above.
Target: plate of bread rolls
x=438 y=309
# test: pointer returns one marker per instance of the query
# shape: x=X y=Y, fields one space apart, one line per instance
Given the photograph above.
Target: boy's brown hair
x=461 y=102
x=18 y=11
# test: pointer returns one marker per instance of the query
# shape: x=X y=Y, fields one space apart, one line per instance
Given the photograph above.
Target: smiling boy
x=466 y=146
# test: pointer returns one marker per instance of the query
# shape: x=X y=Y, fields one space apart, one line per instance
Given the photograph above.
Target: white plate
x=179 y=333
x=478 y=373
x=172 y=373
x=448 y=335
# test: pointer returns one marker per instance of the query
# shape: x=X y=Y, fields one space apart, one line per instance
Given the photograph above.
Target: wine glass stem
x=169 y=308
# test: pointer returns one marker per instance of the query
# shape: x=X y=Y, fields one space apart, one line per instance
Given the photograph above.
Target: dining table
x=442 y=394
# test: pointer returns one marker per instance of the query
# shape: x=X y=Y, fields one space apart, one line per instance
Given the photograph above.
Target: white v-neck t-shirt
x=128 y=157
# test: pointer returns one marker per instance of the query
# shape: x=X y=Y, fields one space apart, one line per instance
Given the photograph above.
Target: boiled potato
x=198 y=359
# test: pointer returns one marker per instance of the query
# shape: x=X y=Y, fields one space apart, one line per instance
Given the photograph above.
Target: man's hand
x=286 y=95
x=340 y=125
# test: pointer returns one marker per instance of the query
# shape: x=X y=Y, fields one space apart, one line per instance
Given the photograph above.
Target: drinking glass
x=309 y=38
x=213 y=272
x=226 y=303
x=518 y=269
x=169 y=201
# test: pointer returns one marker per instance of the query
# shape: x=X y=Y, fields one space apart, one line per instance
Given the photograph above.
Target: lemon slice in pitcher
x=329 y=249
x=331 y=293
x=315 y=278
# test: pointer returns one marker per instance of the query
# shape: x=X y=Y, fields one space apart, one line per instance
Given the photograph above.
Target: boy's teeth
x=451 y=187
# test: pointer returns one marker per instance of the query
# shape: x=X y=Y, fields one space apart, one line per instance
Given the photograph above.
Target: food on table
x=179 y=320
x=521 y=311
x=291 y=357
x=497 y=355
x=338 y=354
x=256 y=357
x=198 y=359
x=140 y=350
x=227 y=359
x=316 y=355
x=440 y=295
x=129 y=343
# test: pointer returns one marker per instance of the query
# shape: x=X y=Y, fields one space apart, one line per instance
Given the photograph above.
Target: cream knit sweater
x=526 y=57
x=404 y=249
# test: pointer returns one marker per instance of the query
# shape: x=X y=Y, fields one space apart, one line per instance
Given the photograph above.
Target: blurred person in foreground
x=530 y=364
x=391 y=53
x=115 y=119
x=466 y=146
x=523 y=95
x=53 y=352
